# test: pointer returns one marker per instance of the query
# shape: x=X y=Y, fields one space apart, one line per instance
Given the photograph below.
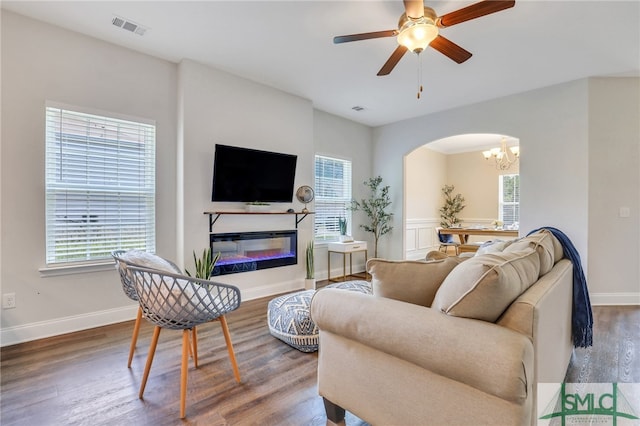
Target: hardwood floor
x=82 y=378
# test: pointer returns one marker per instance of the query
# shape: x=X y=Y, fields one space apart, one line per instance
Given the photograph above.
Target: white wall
x=573 y=188
x=217 y=107
x=41 y=62
x=614 y=158
x=561 y=143
x=425 y=173
x=194 y=107
x=337 y=137
x=478 y=182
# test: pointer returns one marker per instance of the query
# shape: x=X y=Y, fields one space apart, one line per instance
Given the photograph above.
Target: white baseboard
x=599 y=299
x=56 y=327
x=43 y=329
x=271 y=289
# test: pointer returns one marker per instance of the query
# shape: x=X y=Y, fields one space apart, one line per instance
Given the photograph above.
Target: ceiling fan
x=419 y=27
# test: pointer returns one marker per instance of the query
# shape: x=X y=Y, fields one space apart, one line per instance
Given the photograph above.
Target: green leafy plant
x=205 y=264
x=376 y=210
x=342 y=223
x=453 y=205
x=309 y=261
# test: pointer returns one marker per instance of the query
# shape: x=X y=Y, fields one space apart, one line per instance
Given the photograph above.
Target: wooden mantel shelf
x=215 y=215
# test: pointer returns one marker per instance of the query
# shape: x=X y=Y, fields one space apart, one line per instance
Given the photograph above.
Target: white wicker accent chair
x=180 y=302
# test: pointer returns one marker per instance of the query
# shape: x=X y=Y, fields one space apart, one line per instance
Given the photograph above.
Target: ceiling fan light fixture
x=416 y=35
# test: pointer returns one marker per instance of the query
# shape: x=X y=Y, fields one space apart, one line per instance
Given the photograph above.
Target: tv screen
x=247 y=175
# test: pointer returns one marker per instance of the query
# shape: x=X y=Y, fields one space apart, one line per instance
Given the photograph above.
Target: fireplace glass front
x=250 y=251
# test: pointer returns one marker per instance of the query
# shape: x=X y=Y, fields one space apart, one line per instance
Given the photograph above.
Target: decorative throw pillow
x=541 y=241
x=411 y=281
x=148 y=260
x=484 y=286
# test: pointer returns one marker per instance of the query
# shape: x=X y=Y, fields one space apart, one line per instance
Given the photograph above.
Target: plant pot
x=310 y=284
x=346 y=238
x=258 y=208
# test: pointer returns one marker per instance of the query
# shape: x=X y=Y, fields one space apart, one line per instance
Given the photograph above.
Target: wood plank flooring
x=82 y=378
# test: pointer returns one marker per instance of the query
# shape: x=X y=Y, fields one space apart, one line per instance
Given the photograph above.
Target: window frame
x=124 y=185
x=331 y=233
x=502 y=203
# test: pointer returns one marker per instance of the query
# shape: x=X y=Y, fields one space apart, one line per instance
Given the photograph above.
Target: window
x=99 y=185
x=509 y=199
x=333 y=197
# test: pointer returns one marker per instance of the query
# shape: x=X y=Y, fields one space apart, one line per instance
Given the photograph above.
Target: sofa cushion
x=493 y=246
x=541 y=241
x=484 y=286
x=410 y=281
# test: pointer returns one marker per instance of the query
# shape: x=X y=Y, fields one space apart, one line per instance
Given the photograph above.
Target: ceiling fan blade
x=474 y=11
x=393 y=60
x=414 y=8
x=364 y=36
x=450 y=49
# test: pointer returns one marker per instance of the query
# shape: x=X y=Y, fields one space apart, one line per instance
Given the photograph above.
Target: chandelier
x=502 y=156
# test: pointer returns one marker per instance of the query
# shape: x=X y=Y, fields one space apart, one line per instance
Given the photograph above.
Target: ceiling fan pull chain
x=419 y=75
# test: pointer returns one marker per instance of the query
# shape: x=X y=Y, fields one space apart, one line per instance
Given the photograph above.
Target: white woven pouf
x=289 y=316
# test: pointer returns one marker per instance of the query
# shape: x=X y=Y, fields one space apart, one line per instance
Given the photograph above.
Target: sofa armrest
x=410 y=281
x=493 y=359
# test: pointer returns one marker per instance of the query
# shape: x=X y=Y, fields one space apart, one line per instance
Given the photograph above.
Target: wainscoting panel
x=420 y=237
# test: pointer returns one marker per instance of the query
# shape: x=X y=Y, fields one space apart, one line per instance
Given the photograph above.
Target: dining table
x=464 y=233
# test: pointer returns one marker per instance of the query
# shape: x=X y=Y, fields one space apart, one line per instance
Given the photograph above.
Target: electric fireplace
x=250 y=251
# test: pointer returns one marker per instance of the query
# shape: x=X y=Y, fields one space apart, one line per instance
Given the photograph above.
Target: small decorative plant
x=452 y=206
x=376 y=209
x=309 y=261
x=342 y=223
x=204 y=265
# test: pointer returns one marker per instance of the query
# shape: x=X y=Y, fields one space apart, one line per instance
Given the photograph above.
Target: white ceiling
x=288 y=45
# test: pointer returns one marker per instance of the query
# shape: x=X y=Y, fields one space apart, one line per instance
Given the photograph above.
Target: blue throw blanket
x=581 y=315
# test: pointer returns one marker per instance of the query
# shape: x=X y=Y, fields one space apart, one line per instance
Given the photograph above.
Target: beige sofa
x=450 y=342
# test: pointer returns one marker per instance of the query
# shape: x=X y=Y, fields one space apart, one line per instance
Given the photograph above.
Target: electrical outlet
x=9 y=300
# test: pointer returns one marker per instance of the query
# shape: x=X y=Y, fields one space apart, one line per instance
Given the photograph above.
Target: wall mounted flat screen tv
x=248 y=175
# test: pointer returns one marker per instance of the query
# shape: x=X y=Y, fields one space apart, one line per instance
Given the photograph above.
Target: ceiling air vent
x=128 y=25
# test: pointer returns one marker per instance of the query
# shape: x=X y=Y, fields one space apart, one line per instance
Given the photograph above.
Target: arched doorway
x=456 y=160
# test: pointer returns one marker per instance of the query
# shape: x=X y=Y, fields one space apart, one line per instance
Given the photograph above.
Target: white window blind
x=332 y=197
x=100 y=186
x=509 y=199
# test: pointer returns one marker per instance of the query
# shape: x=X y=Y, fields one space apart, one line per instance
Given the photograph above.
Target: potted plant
x=376 y=209
x=310 y=281
x=258 y=207
x=204 y=265
x=342 y=224
x=453 y=205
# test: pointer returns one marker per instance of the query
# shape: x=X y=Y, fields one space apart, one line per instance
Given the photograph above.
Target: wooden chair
x=138 y=258
x=180 y=302
x=446 y=241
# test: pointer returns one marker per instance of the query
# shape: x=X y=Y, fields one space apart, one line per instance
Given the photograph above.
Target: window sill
x=70 y=269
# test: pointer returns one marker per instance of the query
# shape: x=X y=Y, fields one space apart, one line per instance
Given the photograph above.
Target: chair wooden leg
x=183 y=372
x=194 y=334
x=232 y=355
x=134 y=337
x=152 y=351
